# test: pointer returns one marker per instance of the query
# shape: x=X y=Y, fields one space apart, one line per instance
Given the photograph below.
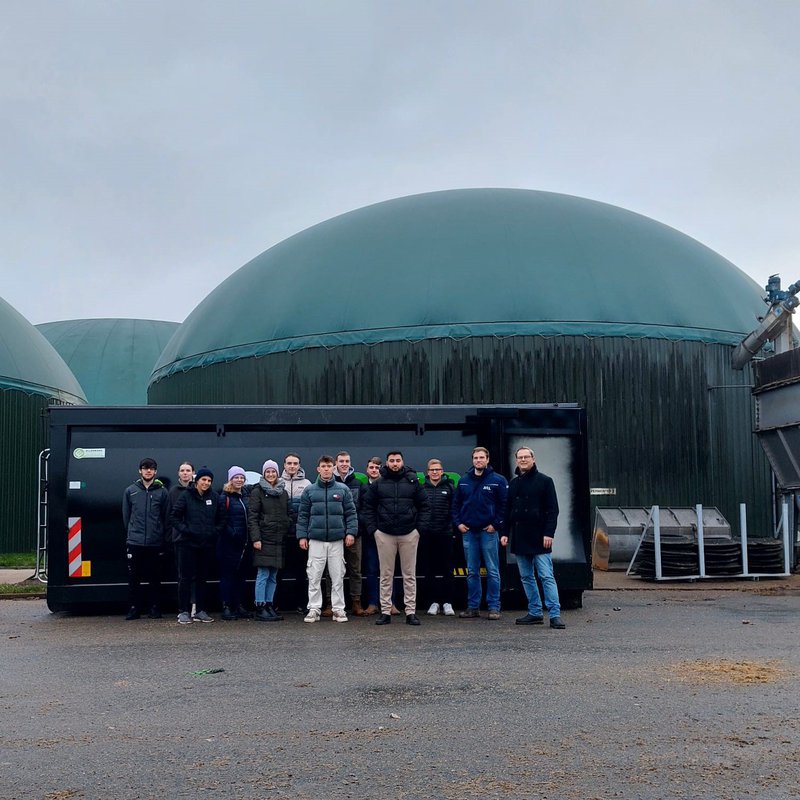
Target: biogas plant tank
x=32 y=376
x=500 y=296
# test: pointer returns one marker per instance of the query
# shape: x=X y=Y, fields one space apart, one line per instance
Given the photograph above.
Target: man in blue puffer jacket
x=479 y=508
x=326 y=523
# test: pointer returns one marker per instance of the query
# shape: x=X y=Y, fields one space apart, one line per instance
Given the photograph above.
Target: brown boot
x=327 y=612
x=395 y=612
x=371 y=610
x=358 y=609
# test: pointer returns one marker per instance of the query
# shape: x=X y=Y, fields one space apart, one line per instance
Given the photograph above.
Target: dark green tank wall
x=669 y=421
x=23 y=435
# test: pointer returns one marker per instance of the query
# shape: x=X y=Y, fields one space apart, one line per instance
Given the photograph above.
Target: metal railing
x=654 y=519
x=41 y=519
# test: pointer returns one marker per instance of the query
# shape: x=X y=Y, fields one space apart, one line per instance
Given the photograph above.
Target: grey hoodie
x=294 y=487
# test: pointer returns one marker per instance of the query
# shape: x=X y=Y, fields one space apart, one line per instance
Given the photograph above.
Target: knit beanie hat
x=234 y=471
x=270 y=464
x=204 y=472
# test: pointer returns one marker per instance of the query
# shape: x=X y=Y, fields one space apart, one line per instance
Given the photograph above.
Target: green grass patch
x=28 y=587
x=17 y=560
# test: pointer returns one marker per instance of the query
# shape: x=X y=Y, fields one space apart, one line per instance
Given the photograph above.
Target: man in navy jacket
x=479 y=507
x=532 y=518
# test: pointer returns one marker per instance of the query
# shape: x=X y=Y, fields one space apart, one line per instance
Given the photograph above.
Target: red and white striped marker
x=74 y=558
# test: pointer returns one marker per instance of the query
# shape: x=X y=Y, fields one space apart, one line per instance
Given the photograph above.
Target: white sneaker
x=447 y=610
x=433 y=610
x=339 y=616
x=312 y=616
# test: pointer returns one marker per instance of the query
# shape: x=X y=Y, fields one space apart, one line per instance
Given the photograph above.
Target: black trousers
x=145 y=565
x=438 y=551
x=194 y=564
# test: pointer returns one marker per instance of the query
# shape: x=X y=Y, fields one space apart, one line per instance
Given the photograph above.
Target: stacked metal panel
x=679 y=557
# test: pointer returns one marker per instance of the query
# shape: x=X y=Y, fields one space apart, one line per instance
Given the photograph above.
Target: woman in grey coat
x=268 y=523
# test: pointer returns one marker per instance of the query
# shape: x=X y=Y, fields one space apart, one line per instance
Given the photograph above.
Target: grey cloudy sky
x=149 y=148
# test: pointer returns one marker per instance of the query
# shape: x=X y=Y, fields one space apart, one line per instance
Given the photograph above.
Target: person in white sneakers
x=326 y=524
x=438 y=539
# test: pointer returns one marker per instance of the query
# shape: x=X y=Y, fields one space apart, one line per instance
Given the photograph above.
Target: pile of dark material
x=765 y=555
x=679 y=557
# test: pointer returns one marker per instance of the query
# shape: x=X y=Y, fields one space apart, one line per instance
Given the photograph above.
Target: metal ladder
x=41 y=520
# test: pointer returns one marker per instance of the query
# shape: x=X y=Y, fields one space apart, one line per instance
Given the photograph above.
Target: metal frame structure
x=41 y=518
x=654 y=519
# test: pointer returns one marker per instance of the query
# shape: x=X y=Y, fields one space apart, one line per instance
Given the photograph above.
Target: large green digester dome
x=112 y=358
x=500 y=296
x=32 y=375
x=476 y=262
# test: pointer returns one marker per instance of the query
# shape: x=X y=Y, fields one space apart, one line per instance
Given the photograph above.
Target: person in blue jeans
x=479 y=506
x=269 y=524
x=531 y=527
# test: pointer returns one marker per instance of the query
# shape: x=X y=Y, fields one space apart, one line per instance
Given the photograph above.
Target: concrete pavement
x=15 y=575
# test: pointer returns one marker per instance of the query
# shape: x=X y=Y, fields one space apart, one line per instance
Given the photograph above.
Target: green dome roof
x=29 y=363
x=471 y=262
x=112 y=358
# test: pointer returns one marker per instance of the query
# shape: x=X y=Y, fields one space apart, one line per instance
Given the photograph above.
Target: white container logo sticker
x=89 y=452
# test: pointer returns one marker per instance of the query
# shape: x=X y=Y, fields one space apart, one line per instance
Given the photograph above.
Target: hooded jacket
x=145 y=513
x=269 y=522
x=437 y=520
x=480 y=500
x=532 y=512
x=234 y=506
x=174 y=493
x=353 y=484
x=294 y=486
x=196 y=518
x=327 y=512
x=393 y=503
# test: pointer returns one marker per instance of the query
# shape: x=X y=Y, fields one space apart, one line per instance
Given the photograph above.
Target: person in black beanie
x=197 y=519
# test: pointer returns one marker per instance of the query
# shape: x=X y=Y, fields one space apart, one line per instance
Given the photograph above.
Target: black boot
x=274 y=616
x=133 y=613
x=243 y=613
x=261 y=614
x=155 y=612
x=227 y=613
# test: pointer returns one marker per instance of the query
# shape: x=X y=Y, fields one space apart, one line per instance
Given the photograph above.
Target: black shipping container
x=95 y=452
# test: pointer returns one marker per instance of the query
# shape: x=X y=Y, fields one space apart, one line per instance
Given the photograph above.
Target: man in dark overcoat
x=530 y=529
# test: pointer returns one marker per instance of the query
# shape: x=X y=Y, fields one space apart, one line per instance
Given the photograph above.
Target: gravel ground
x=656 y=694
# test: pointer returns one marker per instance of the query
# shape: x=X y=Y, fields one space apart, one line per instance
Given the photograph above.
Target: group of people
x=345 y=528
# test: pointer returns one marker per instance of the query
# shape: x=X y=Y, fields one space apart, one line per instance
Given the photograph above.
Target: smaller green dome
x=112 y=358
x=29 y=363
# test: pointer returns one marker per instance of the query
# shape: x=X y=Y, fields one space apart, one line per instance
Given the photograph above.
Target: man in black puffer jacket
x=391 y=506
x=438 y=539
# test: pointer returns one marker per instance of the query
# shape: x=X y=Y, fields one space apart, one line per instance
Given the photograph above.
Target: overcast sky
x=149 y=148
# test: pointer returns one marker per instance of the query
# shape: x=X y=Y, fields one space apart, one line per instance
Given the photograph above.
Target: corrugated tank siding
x=22 y=437
x=669 y=421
